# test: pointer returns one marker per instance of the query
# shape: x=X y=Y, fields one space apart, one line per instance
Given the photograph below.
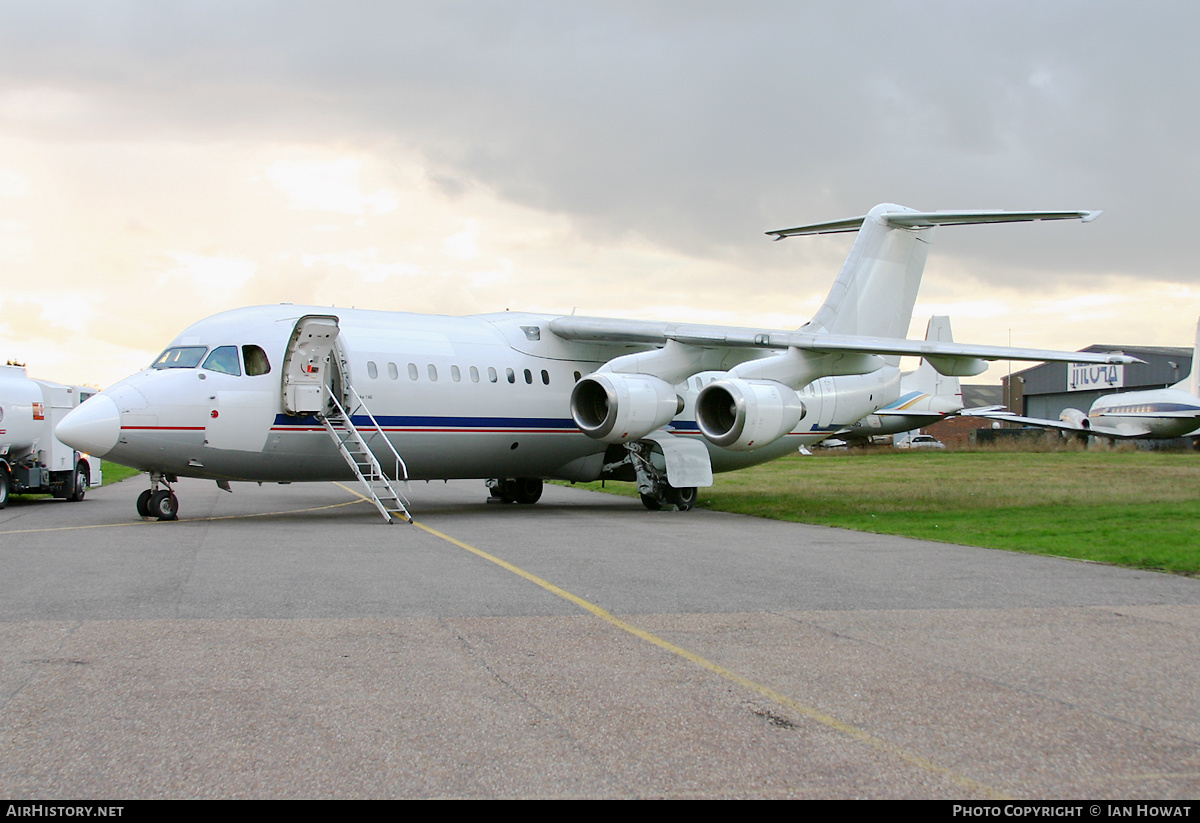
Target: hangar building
x=1045 y=390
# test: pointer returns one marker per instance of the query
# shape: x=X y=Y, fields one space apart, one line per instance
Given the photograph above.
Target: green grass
x=1131 y=508
x=115 y=472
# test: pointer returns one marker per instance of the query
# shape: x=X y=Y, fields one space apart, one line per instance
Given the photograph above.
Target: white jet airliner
x=1152 y=414
x=290 y=393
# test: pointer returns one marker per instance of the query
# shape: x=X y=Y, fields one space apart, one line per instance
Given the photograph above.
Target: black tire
x=527 y=490
x=683 y=499
x=4 y=487
x=143 y=503
x=651 y=502
x=82 y=481
x=164 y=505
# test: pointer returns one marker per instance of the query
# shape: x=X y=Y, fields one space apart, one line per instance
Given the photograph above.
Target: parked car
x=921 y=441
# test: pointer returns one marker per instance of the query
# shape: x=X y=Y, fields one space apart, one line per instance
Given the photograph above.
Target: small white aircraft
x=1154 y=414
x=290 y=393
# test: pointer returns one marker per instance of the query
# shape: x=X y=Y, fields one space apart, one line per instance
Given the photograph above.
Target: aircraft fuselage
x=459 y=397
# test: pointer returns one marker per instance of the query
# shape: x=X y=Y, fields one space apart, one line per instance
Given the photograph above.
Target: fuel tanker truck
x=32 y=459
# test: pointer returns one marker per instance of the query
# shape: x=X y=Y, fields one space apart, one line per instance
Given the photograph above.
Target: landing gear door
x=687 y=461
x=308 y=366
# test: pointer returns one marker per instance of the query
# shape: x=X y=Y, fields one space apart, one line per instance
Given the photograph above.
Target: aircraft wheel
x=651 y=502
x=527 y=490
x=143 y=503
x=3 y=487
x=683 y=499
x=164 y=505
x=82 y=481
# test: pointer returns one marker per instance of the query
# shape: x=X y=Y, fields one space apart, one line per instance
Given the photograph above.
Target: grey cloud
x=696 y=125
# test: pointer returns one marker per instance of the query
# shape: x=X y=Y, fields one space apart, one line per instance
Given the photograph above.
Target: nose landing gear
x=156 y=502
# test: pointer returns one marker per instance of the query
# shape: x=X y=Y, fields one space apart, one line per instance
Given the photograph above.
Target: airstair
x=359 y=456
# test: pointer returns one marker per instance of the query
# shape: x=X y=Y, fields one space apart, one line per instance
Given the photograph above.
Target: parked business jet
x=291 y=393
x=1154 y=414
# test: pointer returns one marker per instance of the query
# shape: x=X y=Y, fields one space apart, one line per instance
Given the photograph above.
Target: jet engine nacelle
x=743 y=415
x=621 y=408
x=1076 y=418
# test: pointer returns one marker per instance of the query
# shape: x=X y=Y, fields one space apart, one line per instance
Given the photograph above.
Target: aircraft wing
x=1126 y=432
x=984 y=411
x=657 y=333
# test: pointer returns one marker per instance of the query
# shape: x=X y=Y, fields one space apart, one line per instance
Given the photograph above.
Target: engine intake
x=743 y=415
x=620 y=408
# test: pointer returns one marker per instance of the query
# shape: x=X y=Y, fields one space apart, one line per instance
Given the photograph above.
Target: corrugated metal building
x=1045 y=390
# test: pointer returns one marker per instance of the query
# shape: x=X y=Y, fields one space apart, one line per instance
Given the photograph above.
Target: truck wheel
x=82 y=481
x=3 y=487
x=164 y=505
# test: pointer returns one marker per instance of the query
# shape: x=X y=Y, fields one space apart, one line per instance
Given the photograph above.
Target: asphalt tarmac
x=283 y=641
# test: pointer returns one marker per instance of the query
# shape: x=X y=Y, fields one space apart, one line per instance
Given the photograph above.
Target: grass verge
x=115 y=472
x=1137 y=509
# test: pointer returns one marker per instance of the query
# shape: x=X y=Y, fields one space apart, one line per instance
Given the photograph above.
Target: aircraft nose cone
x=94 y=427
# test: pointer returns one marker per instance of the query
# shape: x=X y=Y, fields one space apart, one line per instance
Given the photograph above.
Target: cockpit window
x=180 y=357
x=256 y=361
x=224 y=359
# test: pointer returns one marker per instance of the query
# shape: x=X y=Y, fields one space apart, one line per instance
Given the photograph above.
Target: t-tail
x=928 y=380
x=875 y=291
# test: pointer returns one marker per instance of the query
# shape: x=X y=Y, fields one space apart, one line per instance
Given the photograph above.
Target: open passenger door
x=310 y=365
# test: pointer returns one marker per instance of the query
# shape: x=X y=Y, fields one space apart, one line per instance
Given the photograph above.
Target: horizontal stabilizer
x=925 y=220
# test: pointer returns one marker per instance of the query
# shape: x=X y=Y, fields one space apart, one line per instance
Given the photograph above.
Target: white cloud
x=16 y=242
x=330 y=185
x=213 y=276
x=13 y=183
x=365 y=263
x=465 y=244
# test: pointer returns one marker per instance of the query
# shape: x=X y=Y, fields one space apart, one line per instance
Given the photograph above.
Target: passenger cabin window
x=492 y=373
x=393 y=372
x=512 y=377
x=432 y=372
x=256 y=361
x=545 y=378
x=224 y=359
x=412 y=371
x=474 y=375
x=180 y=357
x=372 y=369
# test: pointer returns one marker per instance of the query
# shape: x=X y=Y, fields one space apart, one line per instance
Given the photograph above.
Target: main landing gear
x=670 y=498
x=515 y=490
x=156 y=502
x=657 y=494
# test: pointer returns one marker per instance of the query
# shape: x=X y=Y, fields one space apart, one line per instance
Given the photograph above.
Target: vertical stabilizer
x=875 y=291
x=926 y=378
x=1193 y=381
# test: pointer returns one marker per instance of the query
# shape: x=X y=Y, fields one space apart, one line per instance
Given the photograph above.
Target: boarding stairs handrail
x=362 y=460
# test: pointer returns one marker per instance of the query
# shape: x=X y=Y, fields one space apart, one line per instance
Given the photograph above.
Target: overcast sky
x=162 y=161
